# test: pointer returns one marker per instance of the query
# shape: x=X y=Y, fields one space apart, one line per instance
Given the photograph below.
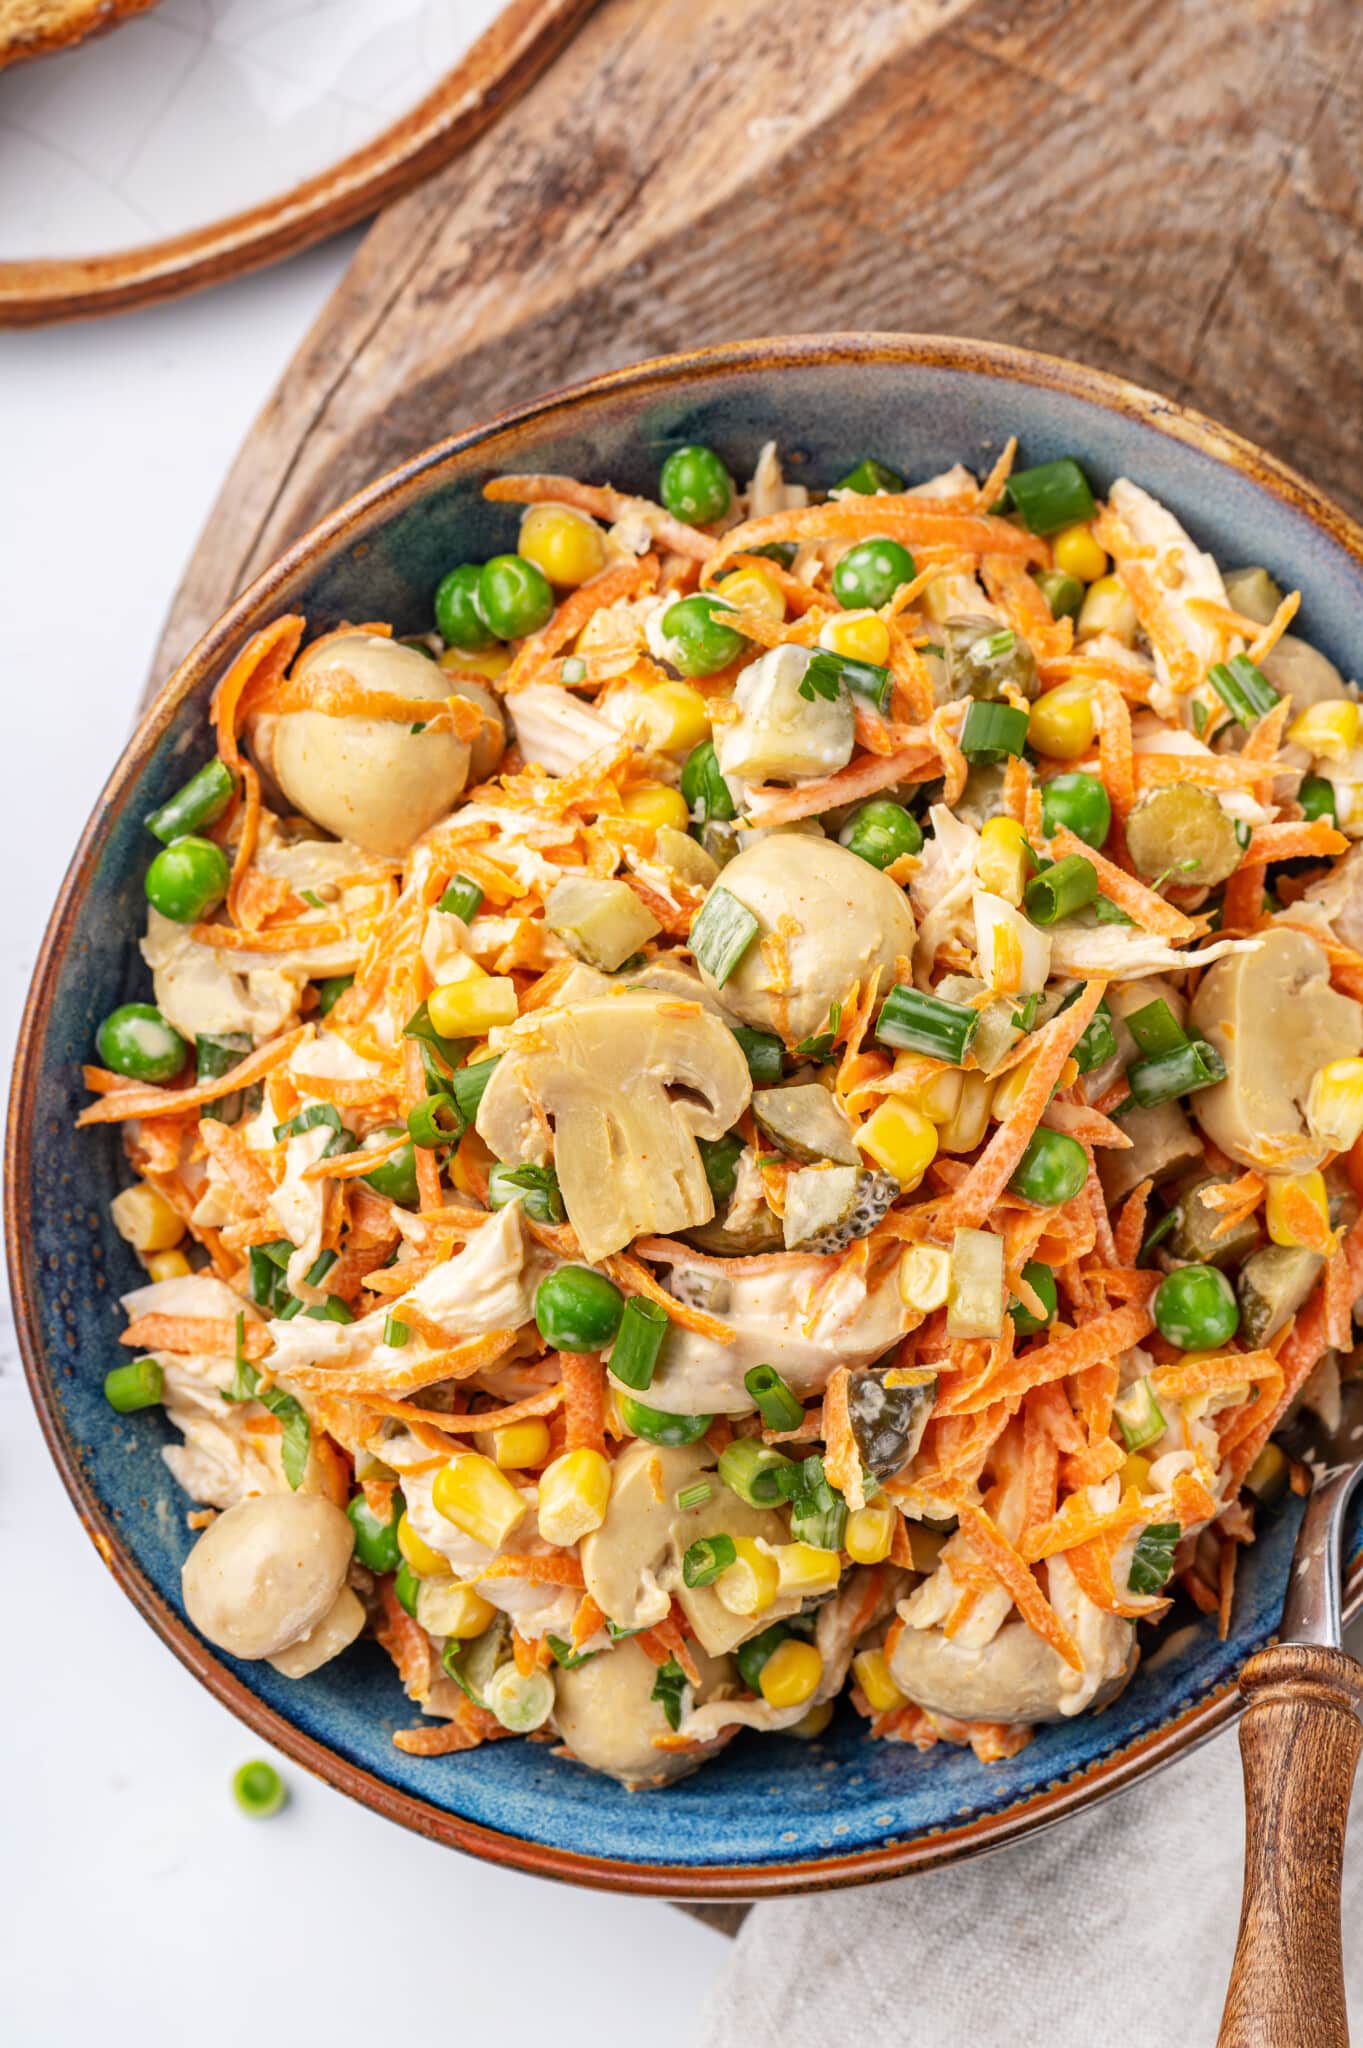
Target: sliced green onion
x=762 y=1050
x=828 y=672
x=537 y=1187
x=1041 y=1280
x=694 y=1496
x=1317 y=799
x=753 y=1470
x=706 y=1558
x=468 y=1085
x=661 y=1425
x=1138 y=1415
x=720 y=1157
x=668 y=1688
x=1152 y=1561
x=296 y=1437
x=706 y=792
x=462 y=898
x=1200 y=716
x=332 y=1310
x=643 y=1326
x=992 y=730
x=870 y=476
x=1052 y=495
x=420 y=1027
x=1155 y=1236
x=434 y=1122
x=1244 y=689
x=779 y=1407
x=574 y=669
x=309 y=1119
x=259 y=1790
x=215 y=1054
x=330 y=991
x=1156 y=1029
x=395 y=1332
x=320 y=1267
x=407 y=1585
x=201 y=801
x=138 y=1384
x=1060 y=890
x=818 y=1515
x=1096 y=1042
x=564 y=1654
x=265 y=1264
x=1064 y=594
x=1105 y=912
x=721 y=933
x=312 y=899
x=1167 y=1075
x=914 y=1022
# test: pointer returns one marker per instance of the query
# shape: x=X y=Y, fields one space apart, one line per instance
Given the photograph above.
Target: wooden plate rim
x=709 y=1883
x=41 y=291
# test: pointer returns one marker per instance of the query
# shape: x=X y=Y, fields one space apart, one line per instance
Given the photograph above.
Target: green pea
x=407 y=1585
x=1064 y=594
x=514 y=596
x=1317 y=798
x=1052 y=1169
x=1195 y=1308
x=395 y=1176
x=259 y=1790
x=657 y=1426
x=138 y=1384
x=187 y=879
x=695 y=486
x=376 y=1542
x=330 y=991
x=698 y=643
x=870 y=573
x=880 y=832
x=1041 y=1280
x=1079 y=801
x=870 y=476
x=458 y=620
x=136 y=1040
x=577 y=1309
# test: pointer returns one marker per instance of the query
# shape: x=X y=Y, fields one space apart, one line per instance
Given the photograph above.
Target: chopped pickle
x=827 y=1207
x=1252 y=593
x=887 y=1421
x=603 y=922
x=805 y=1122
x=1271 y=1286
x=1182 y=832
x=986 y=659
x=1194 y=1233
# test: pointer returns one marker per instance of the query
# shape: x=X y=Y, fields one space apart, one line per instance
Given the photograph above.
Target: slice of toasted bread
x=37 y=28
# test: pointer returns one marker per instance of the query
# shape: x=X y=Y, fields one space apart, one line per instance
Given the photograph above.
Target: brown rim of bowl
x=514 y=48
x=709 y=1882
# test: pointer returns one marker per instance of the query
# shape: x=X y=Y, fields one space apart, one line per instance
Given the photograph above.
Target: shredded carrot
x=196 y=1336
x=993 y=1548
x=146 y=1101
x=1142 y=905
x=546 y=1568
x=1319 y=839
x=1129 y=1234
x=584 y=1399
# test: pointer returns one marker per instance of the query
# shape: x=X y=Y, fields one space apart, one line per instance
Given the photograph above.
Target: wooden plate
x=500 y=64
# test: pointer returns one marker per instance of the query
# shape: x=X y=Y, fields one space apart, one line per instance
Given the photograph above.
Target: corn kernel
x=1075 y=552
x=425 y=1562
x=858 y=636
x=751 y=1582
x=806 y=1569
x=563 y=542
x=1061 y=723
x=1107 y=608
x=939 y=1096
x=1134 y=1471
x=971 y=1118
x=144 y=1219
x=444 y=1607
x=574 y=1494
x=477 y=1498
x=168 y=1265
x=491 y=663
x=872 y=1674
x=654 y=803
x=1009 y=1090
x=812 y=1723
x=518 y=1445
x=673 y=718
x=923 y=1274
x=1297 y=1209
x=1329 y=731
x=754 y=590
x=1334 y=1108
x=468 y=1008
x=791 y=1674
x=870 y=1532
x=901 y=1139
x=1003 y=862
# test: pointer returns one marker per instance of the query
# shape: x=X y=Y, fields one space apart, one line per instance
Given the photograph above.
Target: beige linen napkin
x=1111 y=1930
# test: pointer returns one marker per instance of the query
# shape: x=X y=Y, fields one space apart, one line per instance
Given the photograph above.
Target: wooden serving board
x=1171 y=189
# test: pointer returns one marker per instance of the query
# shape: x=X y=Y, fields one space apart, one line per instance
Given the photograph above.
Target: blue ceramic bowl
x=772 y=1814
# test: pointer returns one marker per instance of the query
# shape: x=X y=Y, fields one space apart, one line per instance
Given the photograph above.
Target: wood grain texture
x=522 y=39
x=1299 y=1743
x=1172 y=189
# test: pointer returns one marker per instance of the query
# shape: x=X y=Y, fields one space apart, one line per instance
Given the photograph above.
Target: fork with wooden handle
x=1299 y=1743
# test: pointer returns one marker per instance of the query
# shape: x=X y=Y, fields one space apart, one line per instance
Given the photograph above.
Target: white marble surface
x=204 y=107
x=135 y=1903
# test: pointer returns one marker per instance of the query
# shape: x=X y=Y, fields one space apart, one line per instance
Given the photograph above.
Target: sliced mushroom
x=1302 y=673
x=369 y=780
x=1274 y=1018
x=779 y=732
x=486 y=750
x=632 y=1564
x=606 y=1715
x=627 y=1084
x=825 y=920
x=1338 y=897
x=268 y=1572
x=336 y=1631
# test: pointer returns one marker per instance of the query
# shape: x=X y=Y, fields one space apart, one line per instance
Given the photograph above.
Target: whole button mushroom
x=606 y=1714
x=834 y=919
x=267 y=1572
x=372 y=781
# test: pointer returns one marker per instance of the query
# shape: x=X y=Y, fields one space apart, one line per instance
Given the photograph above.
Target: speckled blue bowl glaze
x=771 y=1814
